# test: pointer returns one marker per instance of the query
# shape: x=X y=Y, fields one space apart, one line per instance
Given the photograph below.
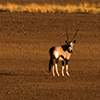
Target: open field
x=25 y=40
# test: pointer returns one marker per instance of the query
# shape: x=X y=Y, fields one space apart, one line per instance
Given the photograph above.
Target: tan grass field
x=52 y=8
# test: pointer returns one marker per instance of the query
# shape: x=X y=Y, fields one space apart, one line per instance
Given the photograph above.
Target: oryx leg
x=53 y=70
x=67 y=73
x=56 y=67
x=53 y=67
x=67 y=68
x=62 y=71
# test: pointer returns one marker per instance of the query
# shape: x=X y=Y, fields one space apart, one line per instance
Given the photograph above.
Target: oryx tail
x=51 y=58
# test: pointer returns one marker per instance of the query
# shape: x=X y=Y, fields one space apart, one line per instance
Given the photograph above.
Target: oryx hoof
x=68 y=74
x=62 y=74
x=53 y=74
x=58 y=75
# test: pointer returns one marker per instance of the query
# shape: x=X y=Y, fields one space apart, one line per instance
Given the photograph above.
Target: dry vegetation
x=52 y=8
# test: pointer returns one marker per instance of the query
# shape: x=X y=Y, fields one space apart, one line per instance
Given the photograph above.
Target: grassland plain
x=25 y=39
x=82 y=7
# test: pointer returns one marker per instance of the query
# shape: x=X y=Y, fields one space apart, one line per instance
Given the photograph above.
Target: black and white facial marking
x=61 y=53
x=69 y=46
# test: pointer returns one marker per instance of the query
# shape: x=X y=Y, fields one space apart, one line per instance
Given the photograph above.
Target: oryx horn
x=75 y=34
x=67 y=34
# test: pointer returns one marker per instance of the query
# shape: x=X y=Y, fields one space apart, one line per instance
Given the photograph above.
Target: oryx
x=61 y=53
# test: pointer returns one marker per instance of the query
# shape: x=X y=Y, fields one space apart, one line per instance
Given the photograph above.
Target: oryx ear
x=66 y=42
x=74 y=41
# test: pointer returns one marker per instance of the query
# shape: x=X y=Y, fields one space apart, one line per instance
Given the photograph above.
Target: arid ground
x=25 y=40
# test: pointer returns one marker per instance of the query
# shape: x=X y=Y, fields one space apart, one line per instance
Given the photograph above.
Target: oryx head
x=71 y=43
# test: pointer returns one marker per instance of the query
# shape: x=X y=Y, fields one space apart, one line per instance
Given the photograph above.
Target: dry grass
x=48 y=8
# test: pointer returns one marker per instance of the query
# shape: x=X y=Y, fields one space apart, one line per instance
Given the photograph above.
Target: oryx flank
x=61 y=53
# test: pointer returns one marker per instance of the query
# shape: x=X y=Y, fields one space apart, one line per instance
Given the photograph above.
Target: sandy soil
x=25 y=39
